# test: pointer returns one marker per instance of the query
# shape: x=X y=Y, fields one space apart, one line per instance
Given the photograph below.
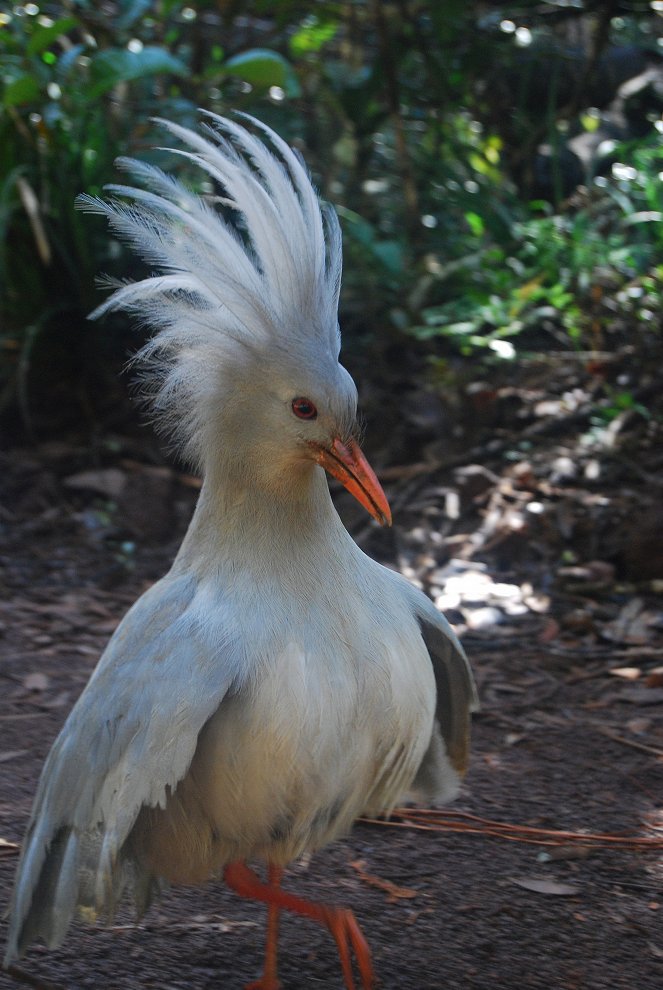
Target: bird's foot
x=265 y=983
x=341 y=922
x=347 y=934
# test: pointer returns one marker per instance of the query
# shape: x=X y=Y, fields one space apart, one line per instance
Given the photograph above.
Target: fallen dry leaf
x=628 y=673
x=549 y=632
x=639 y=725
x=549 y=887
x=12 y=754
x=8 y=849
x=106 y=481
x=631 y=625
x=36 y=682
x=565 y=852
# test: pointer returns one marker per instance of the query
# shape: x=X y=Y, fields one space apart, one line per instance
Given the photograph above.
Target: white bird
x=277 y=683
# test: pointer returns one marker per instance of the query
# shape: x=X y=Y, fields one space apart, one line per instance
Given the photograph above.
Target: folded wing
x=445 y=761
x=128 y=741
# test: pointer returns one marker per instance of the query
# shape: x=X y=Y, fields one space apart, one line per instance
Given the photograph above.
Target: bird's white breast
x=332 y=720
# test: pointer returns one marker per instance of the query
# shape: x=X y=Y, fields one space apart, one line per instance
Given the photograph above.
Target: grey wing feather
x=445 y=761
x=126 y=743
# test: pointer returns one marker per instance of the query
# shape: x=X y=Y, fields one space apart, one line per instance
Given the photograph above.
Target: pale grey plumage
x=277 y=682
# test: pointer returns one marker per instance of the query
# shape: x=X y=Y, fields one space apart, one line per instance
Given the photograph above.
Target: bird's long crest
x=255 y=264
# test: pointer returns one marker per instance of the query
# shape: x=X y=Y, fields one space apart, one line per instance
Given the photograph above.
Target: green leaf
x=358 y=228
x=115 y=65
x=312 y=36
x=260 y=67
x=475 y=223
x=130 y=11
x=590 y=121
x=45 y=36
x=68 y=59
x=391 y=254
x=25 y=89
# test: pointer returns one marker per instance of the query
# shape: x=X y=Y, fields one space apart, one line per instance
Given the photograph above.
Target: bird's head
x=245 y=349
x=285 y=417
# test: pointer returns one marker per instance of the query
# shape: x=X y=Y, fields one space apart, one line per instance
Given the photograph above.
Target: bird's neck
x=237 y=524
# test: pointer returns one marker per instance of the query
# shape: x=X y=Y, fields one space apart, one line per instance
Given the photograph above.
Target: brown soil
x=561 y=743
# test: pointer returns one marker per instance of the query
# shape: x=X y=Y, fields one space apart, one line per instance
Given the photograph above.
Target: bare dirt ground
x=564 y=627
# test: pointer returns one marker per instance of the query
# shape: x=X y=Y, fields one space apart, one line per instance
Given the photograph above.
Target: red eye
x=304 y=408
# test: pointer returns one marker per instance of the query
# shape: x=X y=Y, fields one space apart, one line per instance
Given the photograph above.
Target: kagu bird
x=276 y=683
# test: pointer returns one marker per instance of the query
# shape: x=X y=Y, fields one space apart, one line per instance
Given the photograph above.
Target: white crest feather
x=222 y=290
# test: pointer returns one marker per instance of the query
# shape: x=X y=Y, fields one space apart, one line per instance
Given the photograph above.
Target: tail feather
x=69 y=877
x=48 y=911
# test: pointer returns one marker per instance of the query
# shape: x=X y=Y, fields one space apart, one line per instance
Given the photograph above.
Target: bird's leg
x=340 y=922
x=269 y=979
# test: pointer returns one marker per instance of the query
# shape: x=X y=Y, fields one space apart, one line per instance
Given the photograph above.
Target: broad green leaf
x=591 y=121
x=21 y=90
x=312 y=36
x=115 y=65
x=130 y=11
x=358 y=228
x=68 y=59
x=45 y=36
x=475 y=223
x=260 y=67
x=391 y=254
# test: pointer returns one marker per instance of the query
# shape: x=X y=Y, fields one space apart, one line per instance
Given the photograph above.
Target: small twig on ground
x=394 y=892
x=432 y=820
x=643 y=747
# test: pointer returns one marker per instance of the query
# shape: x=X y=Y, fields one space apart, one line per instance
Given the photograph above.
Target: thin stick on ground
x=432 y=820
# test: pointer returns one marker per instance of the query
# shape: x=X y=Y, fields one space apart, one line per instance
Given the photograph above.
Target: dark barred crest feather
x=220 y=291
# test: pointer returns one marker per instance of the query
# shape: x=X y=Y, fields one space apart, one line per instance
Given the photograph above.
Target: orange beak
x=346 y=462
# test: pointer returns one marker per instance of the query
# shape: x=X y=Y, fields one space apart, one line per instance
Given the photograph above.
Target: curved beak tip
x=347 y=463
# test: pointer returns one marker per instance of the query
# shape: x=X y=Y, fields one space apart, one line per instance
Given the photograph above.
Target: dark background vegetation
x=498 y=171
x=496 y=167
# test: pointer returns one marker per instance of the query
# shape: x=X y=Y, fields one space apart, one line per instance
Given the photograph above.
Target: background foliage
x=497 y=169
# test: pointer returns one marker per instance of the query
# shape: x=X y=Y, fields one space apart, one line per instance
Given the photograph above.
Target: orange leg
x=269 y=979
x=340 y=922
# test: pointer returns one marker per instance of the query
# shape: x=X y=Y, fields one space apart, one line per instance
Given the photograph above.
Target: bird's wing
x=445 y=760
x=127 y=742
